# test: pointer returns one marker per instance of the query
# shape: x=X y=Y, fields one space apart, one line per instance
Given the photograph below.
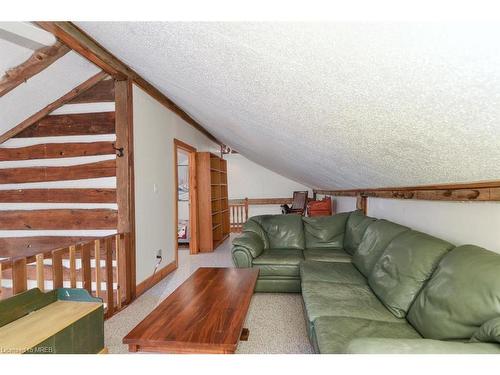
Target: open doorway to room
x=186 y=218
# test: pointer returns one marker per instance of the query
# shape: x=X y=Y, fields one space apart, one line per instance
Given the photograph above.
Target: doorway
x=186 y=218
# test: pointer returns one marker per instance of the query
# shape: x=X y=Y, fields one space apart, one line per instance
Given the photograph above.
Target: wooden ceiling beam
x=53 y=106
x=41 y=59
x=81 y=42
x=474 y=191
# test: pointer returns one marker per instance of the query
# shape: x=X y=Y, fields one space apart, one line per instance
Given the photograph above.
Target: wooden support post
x=108 y=245
x=362 y=203
x=97 y=257
x=119 y=271
x=72 y=266
x=40 y=276
x=125 y=179
x=86 y=270
x=57 y=269
x=19 y=276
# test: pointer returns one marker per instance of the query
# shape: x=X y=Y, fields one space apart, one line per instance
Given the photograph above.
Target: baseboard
x=155 y=279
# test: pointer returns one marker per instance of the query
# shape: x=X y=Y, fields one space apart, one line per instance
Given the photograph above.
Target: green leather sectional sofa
x=374 y=286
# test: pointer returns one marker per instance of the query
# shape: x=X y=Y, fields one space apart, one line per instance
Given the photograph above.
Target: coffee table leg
x=244 y=334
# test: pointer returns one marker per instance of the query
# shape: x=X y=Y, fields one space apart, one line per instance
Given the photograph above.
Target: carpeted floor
x=275 y=320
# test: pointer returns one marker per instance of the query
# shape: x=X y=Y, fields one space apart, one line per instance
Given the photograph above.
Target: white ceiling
x=332 y=105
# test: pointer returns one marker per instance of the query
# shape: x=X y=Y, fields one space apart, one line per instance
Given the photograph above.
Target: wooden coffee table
x=204 y=315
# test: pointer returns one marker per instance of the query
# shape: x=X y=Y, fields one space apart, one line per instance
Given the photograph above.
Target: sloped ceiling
x=43 y=88
x=345 y=105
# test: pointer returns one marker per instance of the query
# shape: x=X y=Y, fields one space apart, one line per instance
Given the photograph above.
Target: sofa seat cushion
x=281 y=262
x=344 y=273
x=462 y=295
x=404 y=267
x=327 y=255
x=325 y=231
x=333 y=299
x=334 y=333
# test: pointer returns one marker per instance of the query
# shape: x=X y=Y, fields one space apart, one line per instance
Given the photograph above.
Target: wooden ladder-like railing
x=98 y=266
x=238 y=215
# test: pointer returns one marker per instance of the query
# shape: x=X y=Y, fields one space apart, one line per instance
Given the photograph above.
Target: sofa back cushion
x=356 y=225
x=253 y=225
x=325 y=231
x=282 y=231
x=403 y=268
x=375 y=240
x=462 y=295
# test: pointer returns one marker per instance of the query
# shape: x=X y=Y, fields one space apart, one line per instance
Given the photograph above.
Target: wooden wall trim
x=102 y=92
x=478 y=191
x=105 y=168
x=55 y=219
x=262 y=201
x=57 y=150
x=71 y=124
x=156 y=278
x=85 y=45
x=88 y=195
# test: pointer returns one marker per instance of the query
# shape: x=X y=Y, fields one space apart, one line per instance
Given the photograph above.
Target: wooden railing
x=238 y=214
x=99 y=265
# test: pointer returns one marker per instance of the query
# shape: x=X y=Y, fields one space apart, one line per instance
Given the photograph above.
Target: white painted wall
x=460 y=223
x=247 y=179
x=344 y=204
x=155 y=128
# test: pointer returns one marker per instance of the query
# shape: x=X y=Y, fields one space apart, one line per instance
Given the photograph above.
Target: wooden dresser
x=213 y=208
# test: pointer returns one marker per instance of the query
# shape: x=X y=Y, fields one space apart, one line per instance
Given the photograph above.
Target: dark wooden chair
x=299 y=203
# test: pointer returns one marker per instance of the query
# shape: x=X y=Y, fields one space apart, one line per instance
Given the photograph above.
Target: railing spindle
x=108 y=245
x=86 y=270
x=40 y=275
x=97 y=256
x=72 y=266
x=57 y=269
x=119 y=266
x=19 y=276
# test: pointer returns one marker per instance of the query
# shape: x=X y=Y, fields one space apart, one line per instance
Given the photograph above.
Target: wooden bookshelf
x=213 y=212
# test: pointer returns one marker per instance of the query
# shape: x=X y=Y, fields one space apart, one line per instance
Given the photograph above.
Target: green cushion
x=355 y=229
x=253 y=225
x=325 y=231
x=283 y=231
x=488 y=332
x=417 y=346
x=332 y=299
x=344 y=273
x=333 y=334
x=404 y=267
x=375 y=240
x=283 y=262
x=462 y=295
x=250 y=241
x=327 y=255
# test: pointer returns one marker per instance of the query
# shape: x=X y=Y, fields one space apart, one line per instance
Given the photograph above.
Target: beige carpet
x=276 y=323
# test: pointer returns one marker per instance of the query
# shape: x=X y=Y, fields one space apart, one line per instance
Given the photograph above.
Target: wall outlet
x=158 y=254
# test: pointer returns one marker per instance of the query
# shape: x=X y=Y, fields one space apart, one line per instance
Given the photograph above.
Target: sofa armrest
x=418 y=346
x=250 y=241
x=242 y=257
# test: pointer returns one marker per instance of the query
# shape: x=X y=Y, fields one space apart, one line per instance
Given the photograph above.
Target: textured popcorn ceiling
x=332 y=105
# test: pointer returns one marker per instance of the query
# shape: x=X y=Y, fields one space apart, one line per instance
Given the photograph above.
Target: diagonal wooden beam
x=53 y=106
x=37 y=62
x=81 y=42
